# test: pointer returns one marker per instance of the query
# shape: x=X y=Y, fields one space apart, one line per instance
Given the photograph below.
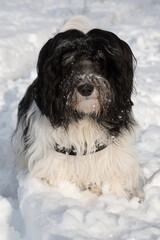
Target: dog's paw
x=135 y=193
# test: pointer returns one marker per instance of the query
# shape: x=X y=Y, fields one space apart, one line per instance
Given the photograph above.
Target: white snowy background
x=39 y=212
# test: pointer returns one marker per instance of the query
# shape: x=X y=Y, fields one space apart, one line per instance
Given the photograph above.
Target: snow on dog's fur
x=75 y=121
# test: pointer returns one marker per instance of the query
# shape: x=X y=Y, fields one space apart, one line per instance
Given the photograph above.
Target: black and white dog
x=75 y=121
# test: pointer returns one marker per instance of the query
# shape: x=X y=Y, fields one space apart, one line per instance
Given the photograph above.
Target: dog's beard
x=88 y=106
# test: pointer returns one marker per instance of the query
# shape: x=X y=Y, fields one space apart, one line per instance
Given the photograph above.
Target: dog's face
x=87 y=90
x=81 y=75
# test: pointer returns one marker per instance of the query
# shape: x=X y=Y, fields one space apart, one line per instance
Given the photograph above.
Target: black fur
x=112 y=59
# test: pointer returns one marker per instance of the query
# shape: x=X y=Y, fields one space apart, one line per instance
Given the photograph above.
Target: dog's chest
x=83 y=136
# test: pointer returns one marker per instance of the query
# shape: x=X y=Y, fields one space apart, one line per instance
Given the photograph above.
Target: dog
x=75 y=122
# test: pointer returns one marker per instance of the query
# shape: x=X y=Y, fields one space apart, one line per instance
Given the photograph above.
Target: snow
x=40 y=212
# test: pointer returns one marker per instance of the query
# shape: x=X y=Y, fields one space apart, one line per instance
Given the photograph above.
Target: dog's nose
x=85 y=89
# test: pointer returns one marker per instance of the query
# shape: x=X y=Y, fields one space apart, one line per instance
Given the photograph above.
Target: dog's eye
x=99 y=56
x=67 y=59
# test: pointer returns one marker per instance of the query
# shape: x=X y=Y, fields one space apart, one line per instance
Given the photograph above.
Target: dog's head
x=85 y=74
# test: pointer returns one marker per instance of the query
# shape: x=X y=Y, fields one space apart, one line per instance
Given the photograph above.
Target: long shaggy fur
x=81 y=99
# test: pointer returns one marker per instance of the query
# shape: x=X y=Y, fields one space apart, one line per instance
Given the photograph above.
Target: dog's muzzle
x=90 y=93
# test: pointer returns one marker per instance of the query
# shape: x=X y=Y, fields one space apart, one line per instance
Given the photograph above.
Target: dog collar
x=72 y=151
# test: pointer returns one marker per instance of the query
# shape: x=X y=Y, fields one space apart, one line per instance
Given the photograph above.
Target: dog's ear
x=44 y=56
x=120 y=61
x=120 y=65
x=121 y=72
x=126 y=69
x=48 y=68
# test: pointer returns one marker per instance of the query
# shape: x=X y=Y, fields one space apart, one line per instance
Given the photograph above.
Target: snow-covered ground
x=39 y=212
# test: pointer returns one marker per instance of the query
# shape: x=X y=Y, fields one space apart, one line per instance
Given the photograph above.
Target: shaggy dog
x=75 y=122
